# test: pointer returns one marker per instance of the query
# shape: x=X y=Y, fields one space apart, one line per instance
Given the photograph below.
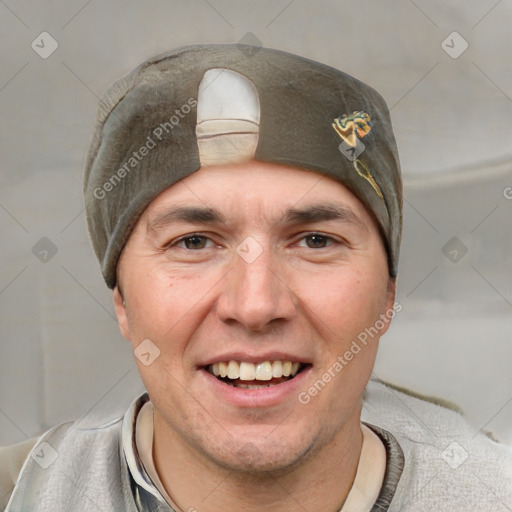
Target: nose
x=256 y=294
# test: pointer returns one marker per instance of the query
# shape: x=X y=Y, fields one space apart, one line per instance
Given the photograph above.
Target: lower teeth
x=248 y=386
x=254 y=384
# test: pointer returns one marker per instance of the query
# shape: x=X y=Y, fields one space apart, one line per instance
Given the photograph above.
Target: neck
x=196 y=483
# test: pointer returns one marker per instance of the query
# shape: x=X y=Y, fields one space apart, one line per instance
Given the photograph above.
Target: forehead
x=259 y=190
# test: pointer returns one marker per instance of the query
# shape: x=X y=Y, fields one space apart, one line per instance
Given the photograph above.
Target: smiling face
x=253 y=280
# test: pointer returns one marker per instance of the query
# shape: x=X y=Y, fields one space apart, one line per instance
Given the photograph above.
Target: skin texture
x=303 y=296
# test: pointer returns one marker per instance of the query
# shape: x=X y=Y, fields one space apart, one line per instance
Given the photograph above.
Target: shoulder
x=417 y=414
x=449 y=464
x=79 y=451
x=11 y=461
x=14 y=458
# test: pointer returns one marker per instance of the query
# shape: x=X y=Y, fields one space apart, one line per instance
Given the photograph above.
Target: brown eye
x=193 y=242
x=316 y=241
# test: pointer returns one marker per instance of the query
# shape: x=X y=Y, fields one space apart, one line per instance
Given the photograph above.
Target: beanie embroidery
x=350 y=128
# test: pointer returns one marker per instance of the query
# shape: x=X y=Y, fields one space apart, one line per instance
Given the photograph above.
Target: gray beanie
x=182 y=111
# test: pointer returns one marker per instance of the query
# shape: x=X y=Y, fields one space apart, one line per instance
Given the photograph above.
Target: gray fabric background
x=61 y=354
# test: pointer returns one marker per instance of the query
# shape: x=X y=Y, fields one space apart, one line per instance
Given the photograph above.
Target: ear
x=122 y=315
x=390 y=309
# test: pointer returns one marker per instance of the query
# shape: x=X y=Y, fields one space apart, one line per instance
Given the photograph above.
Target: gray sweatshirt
x=435 y=461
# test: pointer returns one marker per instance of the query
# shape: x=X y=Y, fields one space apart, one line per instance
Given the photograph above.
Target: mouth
x=248 y=375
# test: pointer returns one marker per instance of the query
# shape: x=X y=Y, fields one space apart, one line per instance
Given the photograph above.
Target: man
x=245 y=206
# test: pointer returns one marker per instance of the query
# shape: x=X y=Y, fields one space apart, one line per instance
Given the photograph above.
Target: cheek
x=347 y=309
x=166 y=307
x=153 y=296
x=347 y=301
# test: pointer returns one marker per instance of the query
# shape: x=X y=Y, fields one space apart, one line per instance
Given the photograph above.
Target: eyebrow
x=307 y=215
x=188 y=214
x=321 y=213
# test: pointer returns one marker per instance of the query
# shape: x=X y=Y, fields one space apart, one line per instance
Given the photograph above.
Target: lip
x=254 y=398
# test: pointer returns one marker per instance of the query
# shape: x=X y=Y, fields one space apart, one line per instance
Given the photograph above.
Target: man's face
x=256 y=264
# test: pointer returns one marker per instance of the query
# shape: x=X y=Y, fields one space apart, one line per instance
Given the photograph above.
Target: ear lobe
x=392 y=290
x=389 y=311
x=122 y=316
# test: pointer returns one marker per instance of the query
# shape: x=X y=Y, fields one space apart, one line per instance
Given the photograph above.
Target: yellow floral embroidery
x=351 y=127
x=365 y=173
x=348 y=127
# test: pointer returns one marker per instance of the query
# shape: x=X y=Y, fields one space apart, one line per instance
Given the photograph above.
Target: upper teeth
x=249 y=371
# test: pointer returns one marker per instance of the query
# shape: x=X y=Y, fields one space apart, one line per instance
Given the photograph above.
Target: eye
x=194 y=241
x=317 y=241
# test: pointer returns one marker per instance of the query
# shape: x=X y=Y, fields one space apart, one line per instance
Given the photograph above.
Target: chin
x=261 y=456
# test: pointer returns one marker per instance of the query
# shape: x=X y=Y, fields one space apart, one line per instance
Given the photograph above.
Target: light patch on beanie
x=228 y=118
